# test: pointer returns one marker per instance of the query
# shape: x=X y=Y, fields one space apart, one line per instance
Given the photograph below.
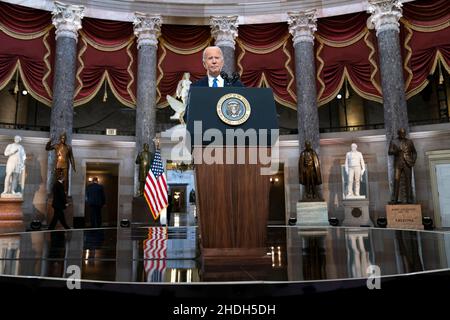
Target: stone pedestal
x=11 y=217
x=141 y=213
x=311 y=214
x=356 y=212
x=404 y=216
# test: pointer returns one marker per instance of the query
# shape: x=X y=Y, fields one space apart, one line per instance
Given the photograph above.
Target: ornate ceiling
x=196 y=12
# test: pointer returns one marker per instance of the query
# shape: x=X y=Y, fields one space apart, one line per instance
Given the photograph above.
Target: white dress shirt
x=220 y=81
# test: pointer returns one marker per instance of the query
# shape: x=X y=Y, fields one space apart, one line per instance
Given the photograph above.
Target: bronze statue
x=309 y=172
x=405 y=156
x=143 y=159
x=64 y=158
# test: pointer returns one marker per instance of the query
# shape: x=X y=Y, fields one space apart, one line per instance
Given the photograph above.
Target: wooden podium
x=233 y=203
x=232 y=196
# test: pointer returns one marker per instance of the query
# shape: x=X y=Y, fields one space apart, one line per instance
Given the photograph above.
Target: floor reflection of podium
x=252 y=267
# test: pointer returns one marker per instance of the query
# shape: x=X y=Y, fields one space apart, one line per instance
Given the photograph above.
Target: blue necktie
x=215 y=84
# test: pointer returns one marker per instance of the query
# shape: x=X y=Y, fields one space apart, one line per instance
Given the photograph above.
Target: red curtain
x=106 y=52
x=180 y=50
x=265 y=57
x=27 y=46
x=425 y=34
x=346 y=49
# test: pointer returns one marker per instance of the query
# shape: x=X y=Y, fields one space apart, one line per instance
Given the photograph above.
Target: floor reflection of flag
x=155 y=254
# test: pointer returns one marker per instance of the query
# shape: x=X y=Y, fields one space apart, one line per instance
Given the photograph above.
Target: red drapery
x=106 y=52
x=346 y=50
x=180 y=51
x=265 y=57
x=27 y=47
x=426 y=42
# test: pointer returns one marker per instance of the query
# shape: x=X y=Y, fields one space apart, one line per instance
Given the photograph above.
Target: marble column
x=302 y=26
x=147 y=29
x=67 y=21
x=224 y=30
x=384 y=18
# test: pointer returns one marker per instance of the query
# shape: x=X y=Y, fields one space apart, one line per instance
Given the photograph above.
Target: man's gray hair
x=204 y=51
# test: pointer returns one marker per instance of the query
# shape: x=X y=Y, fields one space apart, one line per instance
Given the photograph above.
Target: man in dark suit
x=95 y=197
x=213 y=63
x=59 y=204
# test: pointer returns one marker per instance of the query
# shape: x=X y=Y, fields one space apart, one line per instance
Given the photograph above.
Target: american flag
x=155 y=254
x=155 y=191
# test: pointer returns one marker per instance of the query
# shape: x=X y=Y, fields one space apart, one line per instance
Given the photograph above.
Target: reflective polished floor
x=171 y=255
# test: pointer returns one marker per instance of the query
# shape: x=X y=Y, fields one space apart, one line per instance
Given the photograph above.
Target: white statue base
x=15 y=195
x=353 y=197
x=312 y=214
x=356 y=213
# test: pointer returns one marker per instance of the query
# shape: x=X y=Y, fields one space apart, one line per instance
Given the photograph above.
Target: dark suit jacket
x=203 y=82
x=95 y=195
x=59 y=196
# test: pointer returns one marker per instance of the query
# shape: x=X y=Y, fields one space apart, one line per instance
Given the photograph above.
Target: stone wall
x=86 y=148
x=120 y=150
x=372 y=144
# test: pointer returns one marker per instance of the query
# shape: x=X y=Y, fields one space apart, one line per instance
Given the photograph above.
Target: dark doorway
x=178 y=193
x=277 y=205
x=108 y=177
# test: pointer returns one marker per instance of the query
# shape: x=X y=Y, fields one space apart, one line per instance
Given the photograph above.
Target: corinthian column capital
x=67 y=19
x=302 y=25
x=147 y=28
x=224 y=29
x=384 y=15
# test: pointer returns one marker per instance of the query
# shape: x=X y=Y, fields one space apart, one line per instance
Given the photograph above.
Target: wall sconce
x=90 y=179
x=176 y=196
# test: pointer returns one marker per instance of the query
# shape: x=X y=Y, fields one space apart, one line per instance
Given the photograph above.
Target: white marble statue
x=355 y=168
x=182 y=93
x=15 y=167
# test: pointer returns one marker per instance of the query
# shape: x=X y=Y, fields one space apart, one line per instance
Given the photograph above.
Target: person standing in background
x=95 y=198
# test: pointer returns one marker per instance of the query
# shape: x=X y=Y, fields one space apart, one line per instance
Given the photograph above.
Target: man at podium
x=215 y=77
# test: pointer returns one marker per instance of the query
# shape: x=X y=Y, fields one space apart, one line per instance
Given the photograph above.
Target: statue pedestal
x=356 y=213
x=11 y=216
x=404 y=216
x=141 y=213
x=311 y=214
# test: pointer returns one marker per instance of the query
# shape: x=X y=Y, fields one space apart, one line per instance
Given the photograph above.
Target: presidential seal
x=233 y=109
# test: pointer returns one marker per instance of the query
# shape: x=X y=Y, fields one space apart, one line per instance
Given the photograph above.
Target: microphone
x=225 y=77
x=236 y=76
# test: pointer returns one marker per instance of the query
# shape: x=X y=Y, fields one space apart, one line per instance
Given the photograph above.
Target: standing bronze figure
x=143 y=159
x=64 y=159
x=309 y=172
x=405 y=156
